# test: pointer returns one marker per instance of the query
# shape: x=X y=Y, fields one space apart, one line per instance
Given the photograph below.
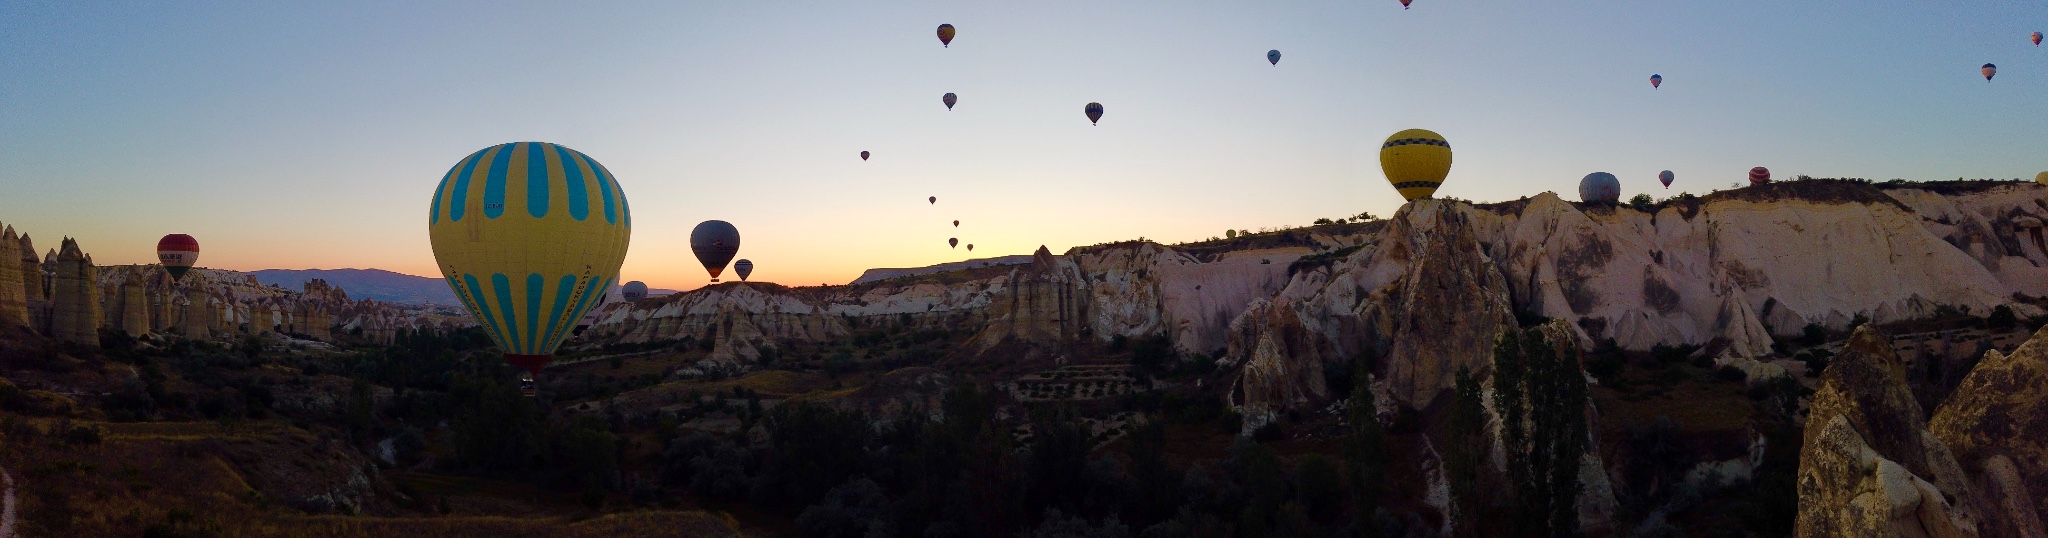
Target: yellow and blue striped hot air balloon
x=1416 y=162
x=529 y=235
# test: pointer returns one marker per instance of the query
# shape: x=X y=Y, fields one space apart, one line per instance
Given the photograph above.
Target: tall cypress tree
x=1541 y=395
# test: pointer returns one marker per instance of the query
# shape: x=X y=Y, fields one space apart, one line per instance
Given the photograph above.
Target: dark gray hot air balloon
x=1094 y=111
x=743 y=268
x=1600 y=187
x=1273 y=56
x=634 y=291
x=715 y=242
x=953 y=242
x=950 y=99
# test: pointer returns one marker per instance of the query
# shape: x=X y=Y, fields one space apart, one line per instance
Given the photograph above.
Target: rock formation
x=74 y=297
x=13 y=284
x=1870 y=467
x=1996 y=422
x=1040 y=303
x=35 y=285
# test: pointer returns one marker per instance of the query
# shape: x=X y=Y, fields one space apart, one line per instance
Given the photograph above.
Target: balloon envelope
x=177 y=252
x=946 y=35
x=1404 y=3
x=949 y=99
x=2037 y=39
x=956 y=224
x=1600 y=187
x=970 y=247
x=2041 y=178
x=1666 y=177
x=933 y=199
x=743 y=268
x=530 y=235
x=1416 y=161
x=1989 y=70
x=1273 y=56
x=634 y=291
x=1656 y=80
x=714 y=242
x=1094 y=111
x=953 y=242
x=1759 y=175
x=863 y=155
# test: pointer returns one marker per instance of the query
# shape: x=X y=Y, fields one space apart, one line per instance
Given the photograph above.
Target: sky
x=303 y=135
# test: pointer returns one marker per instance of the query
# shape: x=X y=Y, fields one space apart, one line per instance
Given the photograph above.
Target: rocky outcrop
x=35 y=285
x=1040 y=303
x=13 y=284
x=74 y=297
x=1870 y=467
x=1996 y=422
x=1424 y=299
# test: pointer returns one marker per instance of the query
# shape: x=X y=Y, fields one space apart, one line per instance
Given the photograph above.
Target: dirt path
x=6 y=504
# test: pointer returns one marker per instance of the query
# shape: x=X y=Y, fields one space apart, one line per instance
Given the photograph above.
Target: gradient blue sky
x=310 y=135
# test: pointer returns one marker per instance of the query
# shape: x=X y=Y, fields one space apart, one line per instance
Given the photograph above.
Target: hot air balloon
x=1656 y=80
x=1404 y=3
x=634 y=291
x=177 y=252
x=1600 y=188
x=933 y=199
x=2037 y=39
x=1988 y=71
x=1666 y=177
x=946 y=35
x=863 y=155
x=956 y=224
x=743 y=268
x=953 y=242
x=1273 y=56
x=2041 y=178
x=970 y=247
x=949 y=99
x=1094 y=111
x=1759 y=175
x=530 y=235
x=1416 y=161
x=714 y=242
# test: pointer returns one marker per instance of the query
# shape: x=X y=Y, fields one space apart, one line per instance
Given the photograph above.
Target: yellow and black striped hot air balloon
x=2041 y=178
x=1416 y=161
x=529 y=235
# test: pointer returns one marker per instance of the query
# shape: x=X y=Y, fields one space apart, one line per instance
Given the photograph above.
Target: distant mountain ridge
x=376 y=284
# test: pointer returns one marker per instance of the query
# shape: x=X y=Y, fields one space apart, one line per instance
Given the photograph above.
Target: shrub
x=1731 y=373
x=2001 y=318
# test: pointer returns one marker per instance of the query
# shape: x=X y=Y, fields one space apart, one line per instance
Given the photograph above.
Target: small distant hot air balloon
x=1988 y=71
x=1600 y=188
x=956 y=224
x=1666 y=177
x=946 y=35
x=953 y=242
x=530 y=235
x=1094 y=111
x=1404 y=3
x=2037 y=39
x=715 y=242
x=743 y=268
x=970 y=247
x=933 y=199
x=1273 y=56
x=949 y=99
x=177 y=252
x=1656 y=80
x=1759 y=175
x=1416 y=161
x=863 y=155
x=2041 y=178
x=634 y=291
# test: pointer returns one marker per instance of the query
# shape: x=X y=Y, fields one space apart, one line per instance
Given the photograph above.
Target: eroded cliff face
x=1424 y=299
x=1996 y=422
x=1870 y=467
